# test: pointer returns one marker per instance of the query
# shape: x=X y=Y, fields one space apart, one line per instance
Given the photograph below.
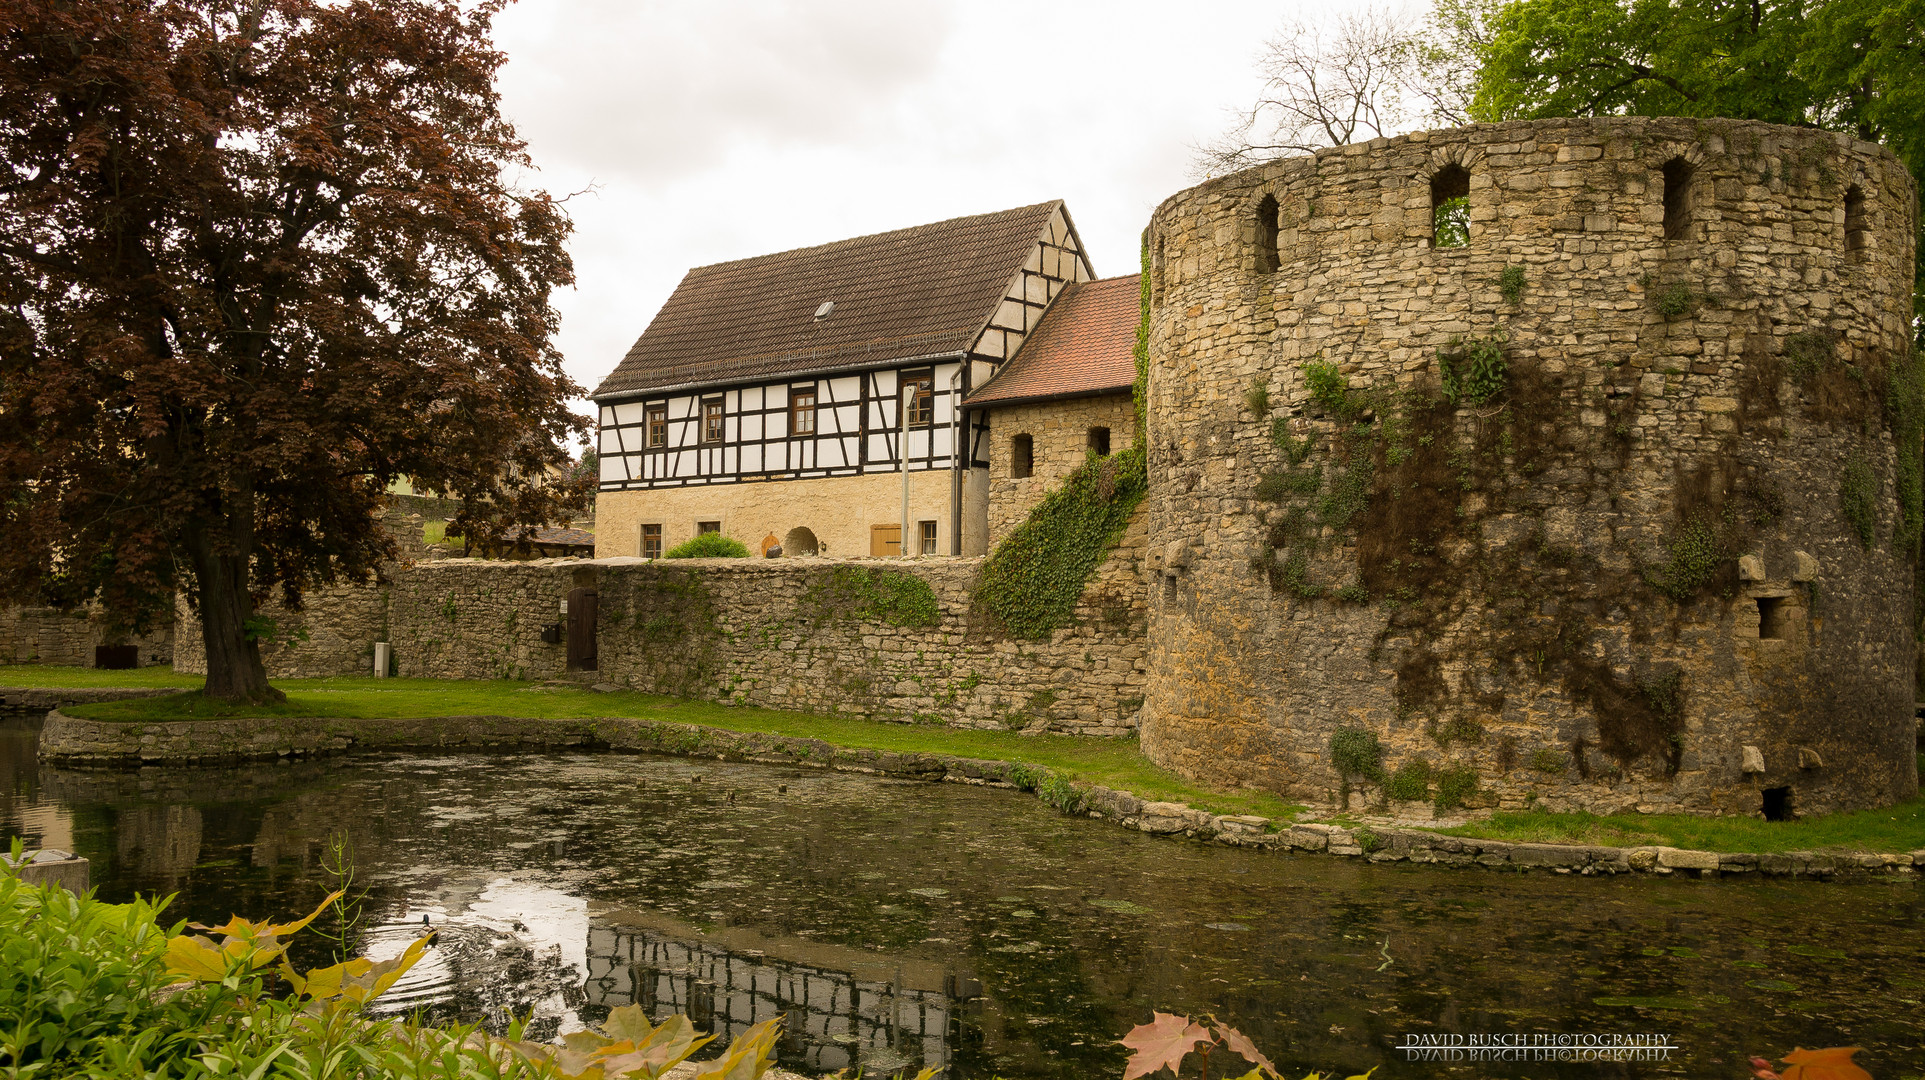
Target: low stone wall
x=48 y=635
x=31 y=701
x=67 y=740
x=811 y=635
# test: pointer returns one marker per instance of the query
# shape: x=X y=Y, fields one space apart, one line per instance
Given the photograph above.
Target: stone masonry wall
x=783 y=633
x=46 y=635
x=1059 y=441
x=1698 y=399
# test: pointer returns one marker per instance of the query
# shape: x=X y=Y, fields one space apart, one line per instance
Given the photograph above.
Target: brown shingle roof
x=1084 y=345
x=913 y=292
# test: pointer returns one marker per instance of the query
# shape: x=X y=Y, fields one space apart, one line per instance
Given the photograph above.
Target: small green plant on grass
x=1356 y=752
x=708 y=546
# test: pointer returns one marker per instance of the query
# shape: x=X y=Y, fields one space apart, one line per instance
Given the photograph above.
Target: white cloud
x=720 y=130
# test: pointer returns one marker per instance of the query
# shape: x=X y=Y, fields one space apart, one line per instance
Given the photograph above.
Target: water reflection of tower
x=158 y=845
x=835 y=1019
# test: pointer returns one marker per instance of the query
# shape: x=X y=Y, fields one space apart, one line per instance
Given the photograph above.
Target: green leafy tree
x=258 y=258
x=1856 y=66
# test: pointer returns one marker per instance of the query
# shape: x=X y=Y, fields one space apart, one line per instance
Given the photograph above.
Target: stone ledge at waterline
x=67 y=740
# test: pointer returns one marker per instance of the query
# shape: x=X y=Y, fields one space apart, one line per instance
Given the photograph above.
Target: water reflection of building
x=882 y=1020
x=158 y=845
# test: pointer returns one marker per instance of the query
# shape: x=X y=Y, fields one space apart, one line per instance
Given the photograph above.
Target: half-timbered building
x=793 y=398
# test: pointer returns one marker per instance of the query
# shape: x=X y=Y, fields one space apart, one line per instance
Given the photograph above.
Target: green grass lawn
x=1111 y=762
x=1114 y=763
x=1894 y=829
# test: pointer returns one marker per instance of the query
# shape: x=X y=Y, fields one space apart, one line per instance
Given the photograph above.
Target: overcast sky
x=720 y=129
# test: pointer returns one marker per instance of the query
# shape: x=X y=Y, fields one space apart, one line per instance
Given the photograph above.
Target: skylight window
x=822 y=312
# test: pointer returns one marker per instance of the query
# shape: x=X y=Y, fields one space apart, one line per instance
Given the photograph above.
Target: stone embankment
x=67 y=740
x=23 y=701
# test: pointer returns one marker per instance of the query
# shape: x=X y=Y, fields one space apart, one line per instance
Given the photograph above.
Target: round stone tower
x=1568 y=463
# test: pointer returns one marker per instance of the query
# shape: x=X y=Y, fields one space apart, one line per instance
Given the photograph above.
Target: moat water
x=900 y=924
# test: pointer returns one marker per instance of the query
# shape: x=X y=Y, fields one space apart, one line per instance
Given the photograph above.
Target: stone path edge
x=71 y=741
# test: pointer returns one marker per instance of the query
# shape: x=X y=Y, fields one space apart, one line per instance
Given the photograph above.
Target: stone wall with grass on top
x=1614 y=507
x=886 y=638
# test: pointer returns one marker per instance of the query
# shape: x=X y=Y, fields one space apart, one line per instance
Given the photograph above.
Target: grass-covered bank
x=1109 y=762
x=1897 y=828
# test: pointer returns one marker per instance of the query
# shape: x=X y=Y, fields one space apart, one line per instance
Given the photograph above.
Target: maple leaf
x=1831 y=1063
x=1239 y=1042
x=1161 y=1043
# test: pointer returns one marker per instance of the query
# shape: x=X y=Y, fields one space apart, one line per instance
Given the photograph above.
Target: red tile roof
x=1085 y=345
x=914 y=292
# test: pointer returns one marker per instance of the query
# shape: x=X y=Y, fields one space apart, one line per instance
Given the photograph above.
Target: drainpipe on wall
x=902 y=451
x=957 y=426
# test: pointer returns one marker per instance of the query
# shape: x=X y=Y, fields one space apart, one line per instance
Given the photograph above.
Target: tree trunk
x=234 y=668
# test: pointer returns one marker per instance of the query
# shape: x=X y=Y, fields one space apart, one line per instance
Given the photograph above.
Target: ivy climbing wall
x=1597 y=488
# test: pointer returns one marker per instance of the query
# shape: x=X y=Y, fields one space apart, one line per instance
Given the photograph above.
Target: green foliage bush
x=1327 y=386
x=1858 y=499
x=1257 y=398
x=1808 y=353
x=889 y=596
x=1293 y=449
x=708 y=546
x=1455 y=787
x=1450 y=223
x=1695 y=558
x=1356 y=752
x=1410 y=782
x=1031 y=582
x=1348 y=495
x=1472 y=369
x=1510 y=281
x=1546 y=760
x=1905 y=402
x=103 y=991
x=1676 y=300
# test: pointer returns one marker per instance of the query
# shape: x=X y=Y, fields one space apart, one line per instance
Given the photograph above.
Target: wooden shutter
x=885 y=539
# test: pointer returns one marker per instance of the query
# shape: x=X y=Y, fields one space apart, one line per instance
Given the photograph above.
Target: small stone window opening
x=1856 y=231
x=1099 y=441
x=704 y=527
x=1267 y=260
x=1022 y=456
x=1677 y=199
x=1450 y=207
x=1774 y=618
x=1777 y=804
x=928 y=531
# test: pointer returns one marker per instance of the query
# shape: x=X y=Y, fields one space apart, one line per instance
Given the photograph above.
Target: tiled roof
x=1085 y=345
x=913 y=292
x=547 y=535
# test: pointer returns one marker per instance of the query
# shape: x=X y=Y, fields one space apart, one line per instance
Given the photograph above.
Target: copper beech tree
x=258 y=258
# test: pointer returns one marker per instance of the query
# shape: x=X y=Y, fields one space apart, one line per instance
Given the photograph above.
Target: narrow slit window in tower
x=1450 y=207
x=1022 y=457
x=1855 y=229
x=1773 y=617
x=1267 y=260
x=1677 y=199
x=1099 y=440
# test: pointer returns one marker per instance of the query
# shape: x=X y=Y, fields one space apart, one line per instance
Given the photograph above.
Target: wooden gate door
x=582 y=605
x=885 y=540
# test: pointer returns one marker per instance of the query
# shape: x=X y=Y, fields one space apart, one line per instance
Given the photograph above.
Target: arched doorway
x=800 y=541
